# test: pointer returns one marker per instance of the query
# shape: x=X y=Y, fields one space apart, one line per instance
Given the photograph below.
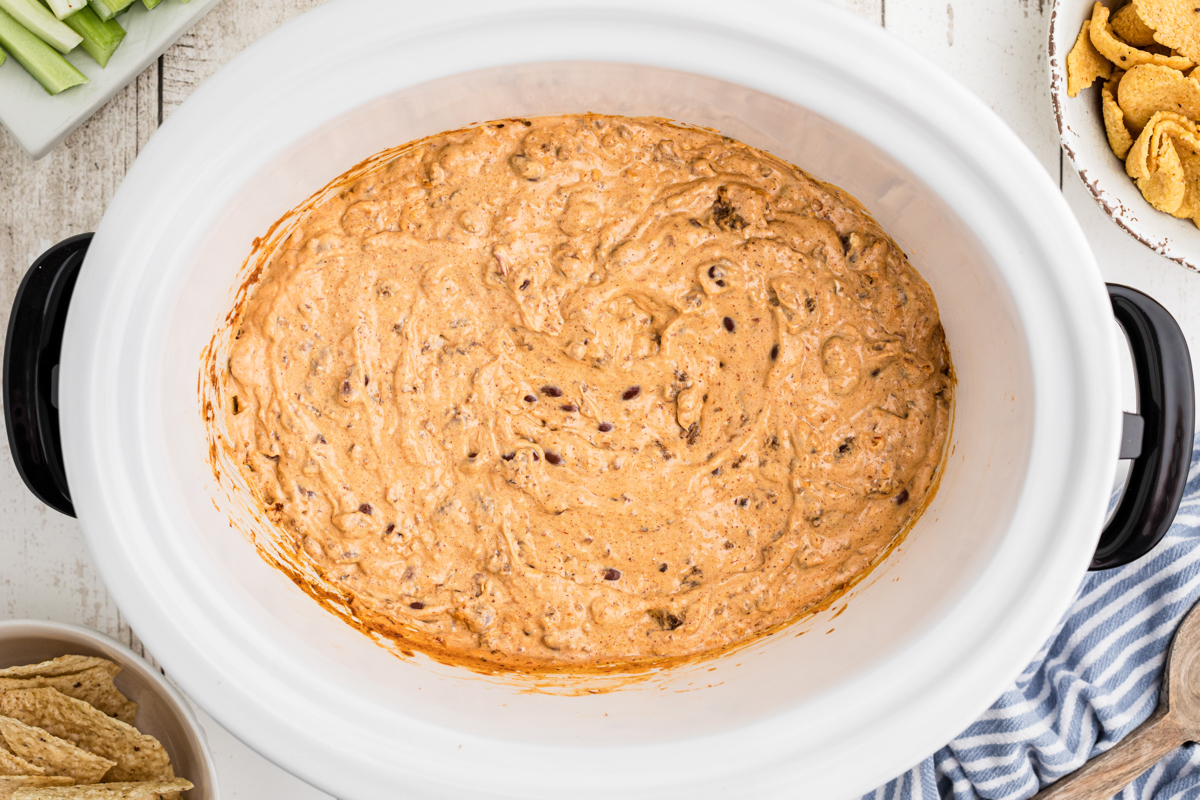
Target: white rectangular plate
x=40 y=122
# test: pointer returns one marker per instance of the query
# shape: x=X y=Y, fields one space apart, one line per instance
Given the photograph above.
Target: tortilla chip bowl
x=162 y=711
x=1081 y=128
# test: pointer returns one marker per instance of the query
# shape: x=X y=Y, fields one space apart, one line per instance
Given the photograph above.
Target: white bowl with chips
x=163 y=712
x=1081 y=131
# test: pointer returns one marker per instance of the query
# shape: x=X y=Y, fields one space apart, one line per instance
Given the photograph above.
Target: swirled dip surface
x=580 y=390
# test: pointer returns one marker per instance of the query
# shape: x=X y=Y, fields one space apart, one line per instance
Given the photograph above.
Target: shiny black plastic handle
x=1159 y=437
x=31 y=356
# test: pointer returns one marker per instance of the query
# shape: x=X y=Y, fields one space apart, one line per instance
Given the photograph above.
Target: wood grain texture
x=1175 y=722
x=46 y=571
x=998 y=50
x=1107 y=774
x=870 y=10
x=223 y=33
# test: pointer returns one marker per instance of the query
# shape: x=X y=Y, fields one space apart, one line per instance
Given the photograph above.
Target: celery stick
x=52 y=71
x=150 y=4
x=107 y=9
x=3 y=55
x=65 y=8
x=34 y=16
x=100 y=38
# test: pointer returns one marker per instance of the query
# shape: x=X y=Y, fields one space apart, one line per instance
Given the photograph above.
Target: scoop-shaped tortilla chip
x=52 y=755
x=1190 y=207
x=1149 y=88
x=1085 y=64
x=1119 y=138
x=1142 y=158
x=1174 y=23
x=1185 y=133
x=1131 y=28
x=1137 y=163
x=1122 y=54
x=138 y=757
x=1166 y=185
x=145 y=790
x=9 y=785
x=63 y=665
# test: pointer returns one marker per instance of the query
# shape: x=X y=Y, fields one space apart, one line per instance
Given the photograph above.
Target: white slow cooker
x=826 y=708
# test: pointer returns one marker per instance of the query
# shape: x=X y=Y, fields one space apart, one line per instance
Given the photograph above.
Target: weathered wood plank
x=223 y=33
x=870 y=10
x=998 y=51
x=47 y=570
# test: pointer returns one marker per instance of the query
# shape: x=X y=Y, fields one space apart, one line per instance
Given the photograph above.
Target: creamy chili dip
x=585 y=390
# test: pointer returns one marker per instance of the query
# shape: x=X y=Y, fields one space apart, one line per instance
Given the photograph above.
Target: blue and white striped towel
x=1093 y=682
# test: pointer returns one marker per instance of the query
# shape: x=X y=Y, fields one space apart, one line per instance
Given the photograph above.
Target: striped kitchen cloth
x=1093 y=682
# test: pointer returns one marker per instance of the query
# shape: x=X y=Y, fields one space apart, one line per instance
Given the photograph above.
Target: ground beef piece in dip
x=562 y=391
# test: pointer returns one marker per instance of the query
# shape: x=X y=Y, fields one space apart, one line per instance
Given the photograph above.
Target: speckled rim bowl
x=162 y=711
x=1081 y=131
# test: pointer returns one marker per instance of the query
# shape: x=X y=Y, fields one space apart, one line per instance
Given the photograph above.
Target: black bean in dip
x=504 y=360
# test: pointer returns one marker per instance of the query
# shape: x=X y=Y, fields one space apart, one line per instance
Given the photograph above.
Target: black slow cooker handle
x=31 y=356
x=1159 y=437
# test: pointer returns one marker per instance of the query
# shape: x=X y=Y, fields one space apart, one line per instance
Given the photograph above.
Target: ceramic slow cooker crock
x=826 y=708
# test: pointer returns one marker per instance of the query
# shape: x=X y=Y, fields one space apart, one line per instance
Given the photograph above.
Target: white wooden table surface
x=995 y=47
